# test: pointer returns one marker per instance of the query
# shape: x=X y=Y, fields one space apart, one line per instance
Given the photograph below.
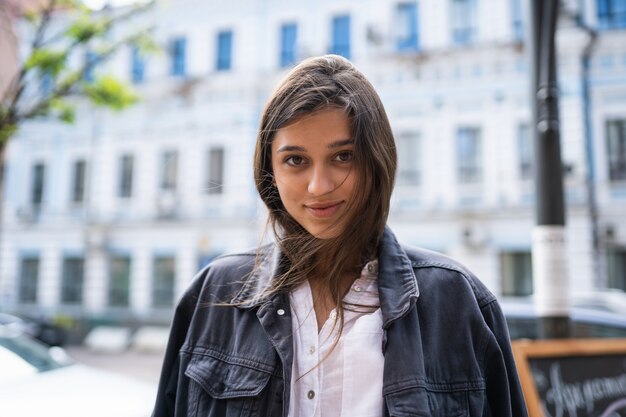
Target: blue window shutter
x=224 y=50
x=137 y=66
x=341 y=36
x=288 y=37
x=91 y=58
x=47 y=83
x=178 y=53
x=408 y=36
x=611 y=14
x=516 y=13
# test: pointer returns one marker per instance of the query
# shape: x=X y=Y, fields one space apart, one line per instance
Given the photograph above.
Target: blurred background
x=107 y=219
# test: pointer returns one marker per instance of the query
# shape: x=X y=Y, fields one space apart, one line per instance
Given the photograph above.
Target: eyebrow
x=337 y=144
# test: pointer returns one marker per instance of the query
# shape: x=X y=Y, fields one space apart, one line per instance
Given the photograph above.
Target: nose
x=321 y=181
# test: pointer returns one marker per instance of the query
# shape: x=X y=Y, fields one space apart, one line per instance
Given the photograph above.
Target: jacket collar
x=397 y=286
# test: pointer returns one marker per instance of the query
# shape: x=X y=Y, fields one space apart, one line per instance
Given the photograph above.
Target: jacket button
x=310 y=395
x=280 y=312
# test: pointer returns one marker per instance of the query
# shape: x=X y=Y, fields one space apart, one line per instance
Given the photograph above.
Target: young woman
x=335 y=318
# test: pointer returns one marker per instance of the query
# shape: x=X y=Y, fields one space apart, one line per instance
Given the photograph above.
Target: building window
x=38 y=183
x=616 y=144
x=464 y=21
x=469 y=160
x=409 y=159
x=137 y=65
x=169 y=170
x=616 y=268
x=516 y=272
x=72 y=280
x=525 y=151
x=163 y=284
x=126 y=176
x=178 y=56
x=215 y=171
x=611 y=14
x=288 y=38
x=516 y=14
x=341 y=36
x=407 y=27
x=29 y=278
x=78 y=181
x=119 y=281
x=91 y=59
x=46 y=83
x=224 y=50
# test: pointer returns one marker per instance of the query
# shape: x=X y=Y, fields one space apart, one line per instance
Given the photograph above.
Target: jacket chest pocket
x=420 y=402
x=220 y=388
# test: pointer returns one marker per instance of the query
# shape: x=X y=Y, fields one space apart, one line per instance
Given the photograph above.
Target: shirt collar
x=397 y=286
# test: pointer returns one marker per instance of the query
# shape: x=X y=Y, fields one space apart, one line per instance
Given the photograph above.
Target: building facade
x=112 y=217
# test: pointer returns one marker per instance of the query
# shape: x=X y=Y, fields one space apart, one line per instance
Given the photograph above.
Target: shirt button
x=280 y=312
x=310 y=395
x=312 y=350
x=370 y=268
x=357 y=288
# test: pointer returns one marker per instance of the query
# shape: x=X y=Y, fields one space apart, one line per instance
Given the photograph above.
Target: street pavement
x=141 y=365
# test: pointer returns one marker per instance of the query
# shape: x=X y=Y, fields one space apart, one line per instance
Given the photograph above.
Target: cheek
x=287 y=191
x=349 y=184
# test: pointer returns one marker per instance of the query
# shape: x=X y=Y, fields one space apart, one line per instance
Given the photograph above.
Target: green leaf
x=84 y=28
x=64 y=111
x=47 y=61
x=146 y=45
x=6 y=132
x=31 y=16
x=110 y=92
x=72 y=5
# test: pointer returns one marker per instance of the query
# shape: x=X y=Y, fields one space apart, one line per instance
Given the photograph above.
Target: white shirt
x=349 y=380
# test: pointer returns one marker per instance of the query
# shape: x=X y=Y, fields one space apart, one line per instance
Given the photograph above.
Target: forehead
x=320 y=128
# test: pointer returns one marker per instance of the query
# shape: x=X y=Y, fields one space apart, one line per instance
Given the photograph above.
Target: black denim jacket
x=445 y=342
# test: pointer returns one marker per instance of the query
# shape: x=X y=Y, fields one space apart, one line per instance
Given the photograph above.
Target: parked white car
x=36 y=380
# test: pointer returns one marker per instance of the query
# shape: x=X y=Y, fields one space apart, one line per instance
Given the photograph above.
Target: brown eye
x=294 y=160
x=345 y=156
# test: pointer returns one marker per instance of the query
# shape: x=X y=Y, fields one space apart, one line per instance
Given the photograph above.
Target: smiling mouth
x=324 y=210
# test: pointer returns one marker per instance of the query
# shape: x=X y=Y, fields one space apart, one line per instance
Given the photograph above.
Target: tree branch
x=65 y=90
x=19 y=84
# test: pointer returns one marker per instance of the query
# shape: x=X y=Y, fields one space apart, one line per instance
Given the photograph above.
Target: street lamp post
x=550 y=278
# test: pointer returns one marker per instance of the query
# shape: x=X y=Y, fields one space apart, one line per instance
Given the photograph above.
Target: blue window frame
x=178 y=52
x=46 y=83
x=464 y=26
x=516 y=15
x=91 y=59
x=138 y=65
x=407 y=23
x=611 y=14
x=288 y=37
x=224 y=50
x=341 y=36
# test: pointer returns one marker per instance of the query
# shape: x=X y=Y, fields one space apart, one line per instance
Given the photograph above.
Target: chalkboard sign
x=574 y=377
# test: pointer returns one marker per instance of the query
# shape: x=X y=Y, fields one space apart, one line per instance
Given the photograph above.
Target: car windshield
x=27 y=352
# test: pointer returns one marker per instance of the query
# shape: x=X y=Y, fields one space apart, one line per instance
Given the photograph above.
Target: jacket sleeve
x=504 y=392
x=166 y=393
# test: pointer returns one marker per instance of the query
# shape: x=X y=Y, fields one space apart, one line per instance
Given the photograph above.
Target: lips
x=323 y=209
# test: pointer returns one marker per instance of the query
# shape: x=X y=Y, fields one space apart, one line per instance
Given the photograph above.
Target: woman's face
x=314 y=171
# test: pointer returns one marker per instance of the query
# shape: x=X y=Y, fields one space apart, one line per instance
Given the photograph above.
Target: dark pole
x=548 y=249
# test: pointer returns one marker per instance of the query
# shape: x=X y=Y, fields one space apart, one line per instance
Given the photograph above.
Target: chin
x=324 y=233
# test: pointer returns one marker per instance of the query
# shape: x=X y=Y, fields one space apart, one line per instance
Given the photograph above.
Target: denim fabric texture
x=446 y=343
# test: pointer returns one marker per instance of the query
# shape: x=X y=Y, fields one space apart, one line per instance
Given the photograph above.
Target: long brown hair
x=315 y=84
